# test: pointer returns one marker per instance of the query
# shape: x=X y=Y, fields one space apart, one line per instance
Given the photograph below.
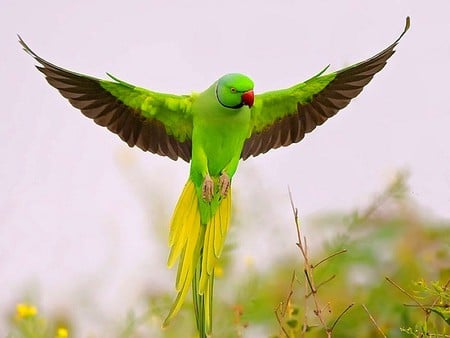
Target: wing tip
x=407 y=24
x=405 y=29
x=250 y=149
x=25 y=46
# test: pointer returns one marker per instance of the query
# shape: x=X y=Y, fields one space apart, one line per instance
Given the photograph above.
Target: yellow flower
x=25 y=310
x=62 y=333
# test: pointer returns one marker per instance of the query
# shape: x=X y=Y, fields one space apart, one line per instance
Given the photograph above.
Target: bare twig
x=282 y=309
x=310 y=286
x=291 y=292
x=373 y=321
x=329 y=257
x=407 y=294
x=322 y=283
x=310 y=283
x=340 y=316
x=279 y=319
x=445 y=306
x=308 y=268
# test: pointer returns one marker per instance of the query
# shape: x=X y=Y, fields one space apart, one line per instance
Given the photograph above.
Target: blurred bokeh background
x=83 y=218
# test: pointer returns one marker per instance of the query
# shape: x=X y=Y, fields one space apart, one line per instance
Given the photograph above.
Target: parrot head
x=235 y=91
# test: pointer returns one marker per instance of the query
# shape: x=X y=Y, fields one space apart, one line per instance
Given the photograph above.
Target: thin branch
x=306 y=249
x=279 y=320
x=340 y=316
x=297 y=226
x=321 y=284
x=445 y=306
x=329 y=257
x=310 y=283
x=305 y=323
x=308 y=270
x=373 y=321
x=407 y=294
x=291 y=292
x=282 y=308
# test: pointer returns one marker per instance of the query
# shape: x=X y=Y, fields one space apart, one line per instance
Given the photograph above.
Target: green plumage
x=174 y=111
x=217 y=140
x=213 y=130
x=272 y=106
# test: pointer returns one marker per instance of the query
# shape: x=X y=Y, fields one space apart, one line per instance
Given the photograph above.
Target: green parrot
x=213 y=130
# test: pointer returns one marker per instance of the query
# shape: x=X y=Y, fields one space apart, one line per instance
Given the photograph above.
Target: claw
x=208 y=189
x=224 y=184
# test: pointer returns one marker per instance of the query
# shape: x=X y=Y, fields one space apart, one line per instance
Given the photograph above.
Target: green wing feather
x=156 y=122
x=283 y=117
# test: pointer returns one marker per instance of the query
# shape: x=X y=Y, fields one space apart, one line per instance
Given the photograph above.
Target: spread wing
x=283 y=117
x=155 y=122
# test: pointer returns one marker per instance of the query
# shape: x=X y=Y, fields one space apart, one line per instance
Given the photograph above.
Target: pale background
x=83 y=217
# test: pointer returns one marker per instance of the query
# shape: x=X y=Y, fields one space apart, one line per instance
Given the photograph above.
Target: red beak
x=248 y=98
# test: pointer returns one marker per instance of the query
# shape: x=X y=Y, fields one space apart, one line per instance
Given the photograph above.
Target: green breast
x=222 y=139
x=220 y=132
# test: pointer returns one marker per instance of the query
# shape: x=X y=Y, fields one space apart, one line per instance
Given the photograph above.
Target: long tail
x=198 y=247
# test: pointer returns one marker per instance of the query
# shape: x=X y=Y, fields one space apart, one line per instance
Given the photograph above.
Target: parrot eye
x=233 y=90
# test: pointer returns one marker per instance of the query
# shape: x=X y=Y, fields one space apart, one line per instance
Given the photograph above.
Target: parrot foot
x=224 y=184
x=208 y=189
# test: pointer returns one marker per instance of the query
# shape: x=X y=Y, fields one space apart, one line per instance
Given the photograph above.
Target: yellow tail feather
x=216 y=231
x=184 y=235
x=198 y=247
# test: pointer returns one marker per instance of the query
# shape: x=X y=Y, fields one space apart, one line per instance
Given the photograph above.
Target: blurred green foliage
x=384 y=273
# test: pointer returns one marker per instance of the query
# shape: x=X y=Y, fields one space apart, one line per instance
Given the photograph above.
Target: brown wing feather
x=347 y=84
x=86 y=94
